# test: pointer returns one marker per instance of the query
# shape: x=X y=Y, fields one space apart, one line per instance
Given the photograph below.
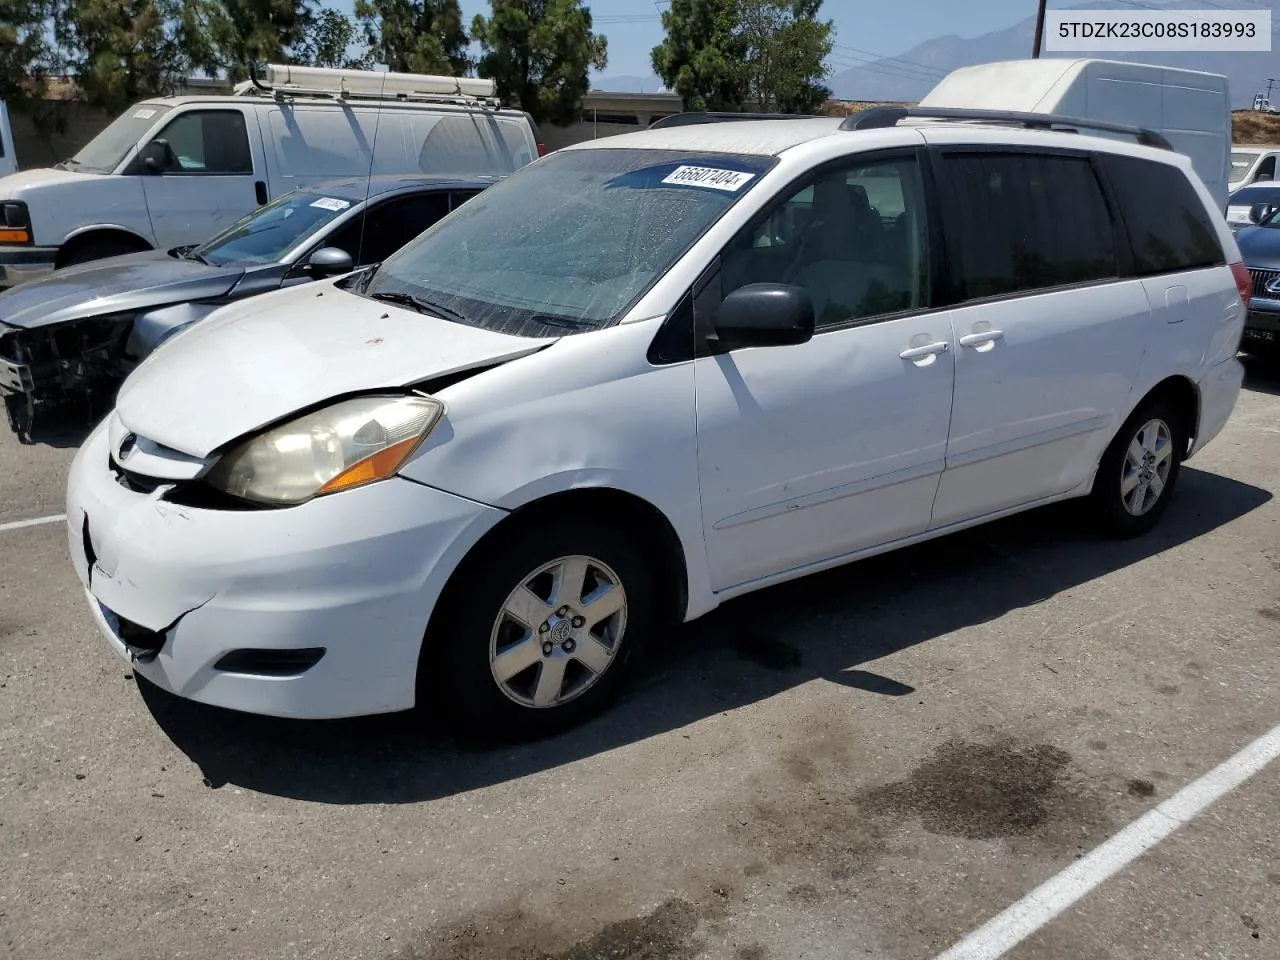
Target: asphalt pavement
x=872 y=762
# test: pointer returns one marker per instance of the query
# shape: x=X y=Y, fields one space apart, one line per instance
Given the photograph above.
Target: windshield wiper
x=421 y=305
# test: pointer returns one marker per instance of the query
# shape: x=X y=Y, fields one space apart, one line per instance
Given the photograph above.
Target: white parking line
x=1006 y=930
x=38 y=521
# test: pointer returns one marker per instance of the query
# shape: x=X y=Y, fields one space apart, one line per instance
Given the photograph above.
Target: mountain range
x=913 y=73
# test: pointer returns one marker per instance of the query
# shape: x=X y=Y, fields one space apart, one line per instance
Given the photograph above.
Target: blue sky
x=865 y=29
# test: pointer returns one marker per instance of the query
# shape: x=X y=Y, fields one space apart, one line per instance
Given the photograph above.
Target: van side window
x=1168 y=225
x=208 y=141
x=854 y=238
x=1021 y=222
x=1267 y=169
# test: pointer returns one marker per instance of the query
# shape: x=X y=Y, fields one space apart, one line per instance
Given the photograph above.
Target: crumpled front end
x=77 y=362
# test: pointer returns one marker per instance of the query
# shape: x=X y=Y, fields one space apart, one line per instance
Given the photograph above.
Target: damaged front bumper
x=312 y=611
x=78 y=361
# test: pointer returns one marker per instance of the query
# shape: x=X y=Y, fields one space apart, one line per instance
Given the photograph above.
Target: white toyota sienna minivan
x=642 y=376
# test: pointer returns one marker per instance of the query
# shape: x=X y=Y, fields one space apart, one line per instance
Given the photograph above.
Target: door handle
x=978 y=339
x=928 y=350
x=260 y=191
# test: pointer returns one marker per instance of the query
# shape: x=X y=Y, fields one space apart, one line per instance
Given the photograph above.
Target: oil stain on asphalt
x=987 y=791
x=667 y=933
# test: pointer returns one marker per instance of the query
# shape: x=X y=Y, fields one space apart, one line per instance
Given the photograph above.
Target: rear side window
x=1021 y=222
x=1168 y=225
x=389 y=226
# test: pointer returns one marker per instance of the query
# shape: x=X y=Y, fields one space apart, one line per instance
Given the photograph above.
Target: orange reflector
x=10 y=235
x=377 y=467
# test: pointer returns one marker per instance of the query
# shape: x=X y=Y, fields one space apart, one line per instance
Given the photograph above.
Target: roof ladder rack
x=879 y=117
x=395 y=87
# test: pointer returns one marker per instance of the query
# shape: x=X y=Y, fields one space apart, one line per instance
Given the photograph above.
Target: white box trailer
x=1191 y=109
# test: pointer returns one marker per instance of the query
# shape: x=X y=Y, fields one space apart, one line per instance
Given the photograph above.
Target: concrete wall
x=70 y=126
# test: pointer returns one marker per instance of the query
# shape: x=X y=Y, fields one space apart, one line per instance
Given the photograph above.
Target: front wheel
x=540 y=631
x=1138 y=473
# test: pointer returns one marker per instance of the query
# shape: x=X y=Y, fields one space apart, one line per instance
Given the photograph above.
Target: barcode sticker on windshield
x=143 y=114
x=332 y=203
x=729 y=180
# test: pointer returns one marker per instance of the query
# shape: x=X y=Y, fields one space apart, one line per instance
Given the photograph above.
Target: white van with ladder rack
x=173 y=171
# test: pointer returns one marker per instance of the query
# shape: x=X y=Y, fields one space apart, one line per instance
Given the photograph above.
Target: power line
x=882 y=57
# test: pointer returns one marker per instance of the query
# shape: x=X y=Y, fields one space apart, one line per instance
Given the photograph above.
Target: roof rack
x=286 y=82
x=880 y=117
x=688 y=119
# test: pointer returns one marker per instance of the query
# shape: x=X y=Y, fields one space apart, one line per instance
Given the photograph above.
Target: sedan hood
x=1260 y=247
x=253 y=363
x=134 y=282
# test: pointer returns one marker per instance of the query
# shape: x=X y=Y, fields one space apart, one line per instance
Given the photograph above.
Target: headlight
x=346 y=445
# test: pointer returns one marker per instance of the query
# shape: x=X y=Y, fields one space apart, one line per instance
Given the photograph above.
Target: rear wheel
x=539 y=631
x=1138 y=473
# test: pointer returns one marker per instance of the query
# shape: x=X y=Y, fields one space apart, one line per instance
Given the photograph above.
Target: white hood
x=253 y=363
x=19 y=186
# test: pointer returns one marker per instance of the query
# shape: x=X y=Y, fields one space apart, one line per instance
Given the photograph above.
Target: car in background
x=1252 y=163
x=78 y=332
x=1260 y=246
x=1251 y=205
x=171 y=171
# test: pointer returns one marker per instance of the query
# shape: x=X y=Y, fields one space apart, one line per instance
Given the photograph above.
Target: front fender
x=153 y=327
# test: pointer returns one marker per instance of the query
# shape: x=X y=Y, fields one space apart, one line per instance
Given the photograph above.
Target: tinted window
x=1022 y=222
x=208 y=141
x=854 y=239
x=388 y=227
x=1169 y=227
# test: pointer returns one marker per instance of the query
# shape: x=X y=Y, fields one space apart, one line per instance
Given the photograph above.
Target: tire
x=99 y=250
x=474 y=639
x=1157 y=431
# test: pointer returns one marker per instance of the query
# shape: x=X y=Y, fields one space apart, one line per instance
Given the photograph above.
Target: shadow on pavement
x=65 y=427
x=1262 y=373
x=749 y=650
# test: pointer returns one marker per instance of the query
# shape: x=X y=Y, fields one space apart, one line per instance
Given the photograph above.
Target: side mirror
x=330 y=262
x=765 y=315
x=1259 y=212
x=157 y=157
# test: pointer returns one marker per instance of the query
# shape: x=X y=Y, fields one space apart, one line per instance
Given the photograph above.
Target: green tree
x=539 y=54
x=785 y=49
x=416 y=36
x=233 y=34
x=26 y=56
x=725 y=54
x=329 y=40
x=121 y=51
x=701 y=57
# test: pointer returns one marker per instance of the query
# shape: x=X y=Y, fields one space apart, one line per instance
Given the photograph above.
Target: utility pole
x=1035 y=51
x=1270 y=81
